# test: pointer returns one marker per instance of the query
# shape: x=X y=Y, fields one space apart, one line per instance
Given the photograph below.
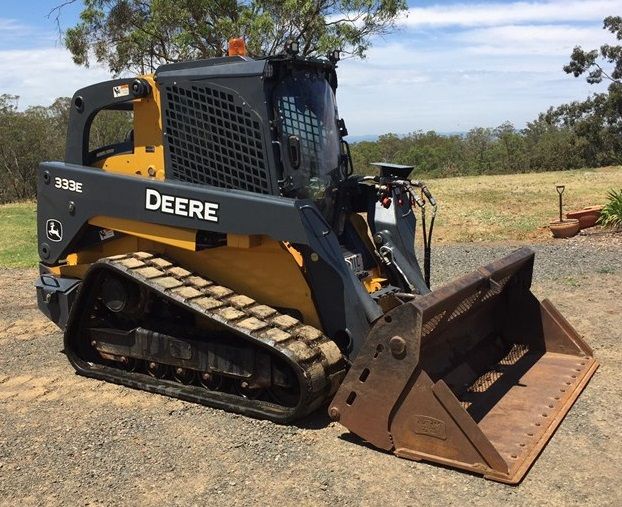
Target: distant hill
x=358 y=139
x=374 y=137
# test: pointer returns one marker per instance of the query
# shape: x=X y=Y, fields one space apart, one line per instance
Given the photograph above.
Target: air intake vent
x=212 y=138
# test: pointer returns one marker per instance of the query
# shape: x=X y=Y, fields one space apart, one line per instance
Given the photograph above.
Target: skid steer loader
x=224 y=253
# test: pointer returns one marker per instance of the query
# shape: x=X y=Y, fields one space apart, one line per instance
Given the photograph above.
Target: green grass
x=606 y=270
x=514 y=207
x=18 y=235
x=571 y=281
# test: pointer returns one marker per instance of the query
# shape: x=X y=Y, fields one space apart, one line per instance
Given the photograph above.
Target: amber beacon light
x=237 y=47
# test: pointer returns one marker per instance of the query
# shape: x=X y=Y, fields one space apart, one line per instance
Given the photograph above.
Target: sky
x=450 y=66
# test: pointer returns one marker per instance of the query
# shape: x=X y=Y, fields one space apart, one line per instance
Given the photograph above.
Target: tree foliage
x=26 y=138
x=592 y=63
x=597 y=121
x=139 y=35
x=37 y=134
x=543 y=145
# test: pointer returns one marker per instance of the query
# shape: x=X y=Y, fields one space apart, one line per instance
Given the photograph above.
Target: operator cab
x=305 y=113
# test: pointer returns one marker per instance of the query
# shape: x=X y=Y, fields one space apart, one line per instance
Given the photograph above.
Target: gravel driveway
x=65 y=439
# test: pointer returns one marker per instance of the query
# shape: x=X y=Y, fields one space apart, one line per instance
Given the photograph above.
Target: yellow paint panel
x=267 y=273
x=148 y=138
x=295 y=254
x=362 y=229
x=374 y=283
x=174 y=236
x=148 y=157
x=79 y=262
x=243 y=241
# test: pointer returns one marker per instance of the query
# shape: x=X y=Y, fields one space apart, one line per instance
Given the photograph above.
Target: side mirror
x=341 y=125
x=293 y=148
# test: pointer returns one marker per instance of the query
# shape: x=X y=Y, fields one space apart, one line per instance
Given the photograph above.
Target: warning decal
x=121 y=90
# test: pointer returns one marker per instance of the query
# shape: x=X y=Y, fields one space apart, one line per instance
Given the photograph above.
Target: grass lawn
x=514 y=206
x=471 y=208
x=18 y=229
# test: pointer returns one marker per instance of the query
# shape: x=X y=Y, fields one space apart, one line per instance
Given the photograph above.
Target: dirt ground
x=65 y=439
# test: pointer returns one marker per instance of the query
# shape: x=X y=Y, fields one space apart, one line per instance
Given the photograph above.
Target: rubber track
x=317 y=356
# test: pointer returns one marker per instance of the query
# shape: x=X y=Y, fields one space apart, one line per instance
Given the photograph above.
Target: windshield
x=307 y=111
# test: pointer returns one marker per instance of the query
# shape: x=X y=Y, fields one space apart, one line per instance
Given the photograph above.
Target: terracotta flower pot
x=587 y=217
x=565 y=229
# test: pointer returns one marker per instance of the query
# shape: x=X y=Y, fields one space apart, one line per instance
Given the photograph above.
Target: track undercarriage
x=142 y=321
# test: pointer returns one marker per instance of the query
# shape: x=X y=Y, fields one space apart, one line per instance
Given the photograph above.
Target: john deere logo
x=54 y=230
x=181 y=206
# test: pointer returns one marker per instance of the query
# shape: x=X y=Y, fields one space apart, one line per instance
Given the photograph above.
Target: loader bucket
x=476 y=375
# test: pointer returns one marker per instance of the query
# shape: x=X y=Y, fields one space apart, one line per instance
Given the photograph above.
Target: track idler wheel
x=120 y=296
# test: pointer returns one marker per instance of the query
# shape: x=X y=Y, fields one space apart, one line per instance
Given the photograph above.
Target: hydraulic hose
x=426 y=249
x=427 y=235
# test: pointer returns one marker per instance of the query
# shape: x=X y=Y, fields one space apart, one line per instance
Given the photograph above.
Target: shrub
x=611 y=216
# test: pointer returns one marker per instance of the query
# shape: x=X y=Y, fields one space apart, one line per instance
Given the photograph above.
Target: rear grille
x=212 y=138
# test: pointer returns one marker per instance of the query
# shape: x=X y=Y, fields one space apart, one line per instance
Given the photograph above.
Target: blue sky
x=451 y=65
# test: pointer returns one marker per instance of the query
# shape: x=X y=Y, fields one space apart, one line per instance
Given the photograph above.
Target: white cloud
x=530 y=39
x=13 y=33
x=11 y=26
x=39 y=76
x=460 y=65
x=491 y=14
x=476 y=77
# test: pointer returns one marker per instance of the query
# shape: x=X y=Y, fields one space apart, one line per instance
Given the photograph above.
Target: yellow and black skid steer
x=225 y=253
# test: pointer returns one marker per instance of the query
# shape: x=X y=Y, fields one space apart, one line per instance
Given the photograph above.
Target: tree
x=432 y=153
x=139 y=35
x=479 y=144
x=592 y=62
x=26 y=138
x=598 y=120
x=38 y=133
x=550 y=146
x=511 y=148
